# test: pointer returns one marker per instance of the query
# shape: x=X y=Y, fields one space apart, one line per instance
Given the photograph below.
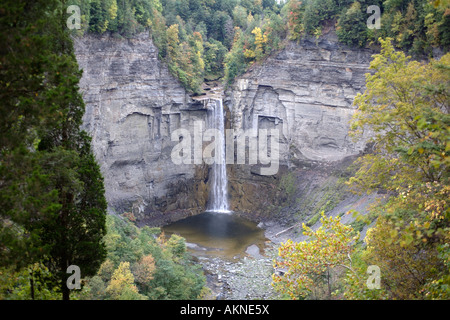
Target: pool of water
x=218 y=234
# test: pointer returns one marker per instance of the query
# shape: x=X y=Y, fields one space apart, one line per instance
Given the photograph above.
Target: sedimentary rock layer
x=133 y=105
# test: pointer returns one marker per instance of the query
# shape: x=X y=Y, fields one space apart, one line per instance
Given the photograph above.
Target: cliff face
x=133 y=105
x=305 y=92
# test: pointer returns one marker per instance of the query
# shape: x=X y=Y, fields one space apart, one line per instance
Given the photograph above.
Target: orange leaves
x=144 y=269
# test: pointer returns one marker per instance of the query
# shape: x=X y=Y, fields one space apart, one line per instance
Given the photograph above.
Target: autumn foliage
x=405 y=110
x=308 y=263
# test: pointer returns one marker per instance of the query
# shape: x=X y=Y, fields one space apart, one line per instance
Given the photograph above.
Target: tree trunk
x=329 y=284
x=65 y=290
x=32 y=285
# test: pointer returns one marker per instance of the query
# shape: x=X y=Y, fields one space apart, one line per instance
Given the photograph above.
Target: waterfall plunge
x=218 y=200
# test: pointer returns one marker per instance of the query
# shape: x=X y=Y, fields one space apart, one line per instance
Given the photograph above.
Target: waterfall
x=218 y=201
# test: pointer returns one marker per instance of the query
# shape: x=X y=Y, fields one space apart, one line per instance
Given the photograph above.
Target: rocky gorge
x=304 y=91
x=133 y=105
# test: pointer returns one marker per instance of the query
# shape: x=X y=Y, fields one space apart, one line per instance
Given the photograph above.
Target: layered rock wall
x=133 y=105
x=306 y=92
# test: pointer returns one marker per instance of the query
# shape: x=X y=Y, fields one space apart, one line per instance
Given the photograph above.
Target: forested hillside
x=143 y=264
x=220 y=38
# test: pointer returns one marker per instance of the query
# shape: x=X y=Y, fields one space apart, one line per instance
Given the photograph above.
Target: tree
x=235 y=59
x=160 y=268
x=309 y=264
x=53 y=205
x=295 y=13
x=405 y=269
x=214 y=57
x=173 y=49
x=260 y=41
x=144 y=269
x=69 y=231
x=240 y=17
x=26 y=91
x=405 y=107
x=74 y=233
x=122 y=285
x=98 y=22
x=197 y=61
x=316 y=13
x=352 y=29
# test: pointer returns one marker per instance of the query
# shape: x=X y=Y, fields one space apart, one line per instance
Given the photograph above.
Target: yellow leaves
x=104 y=27
x=249 y=54
x=330 y=245
x=112 y=10
x=257 y=48
x=201 y=62
x=407 y=239
x=402 y=105
x=122 y=279
x=260 y=39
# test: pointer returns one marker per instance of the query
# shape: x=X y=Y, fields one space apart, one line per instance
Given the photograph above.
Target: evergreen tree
x=352 y=29
x=52 y=198
x=27 y=86
x=75 y=231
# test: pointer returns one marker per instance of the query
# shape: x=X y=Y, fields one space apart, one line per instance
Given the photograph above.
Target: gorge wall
x=133 y=105
x=306 y=92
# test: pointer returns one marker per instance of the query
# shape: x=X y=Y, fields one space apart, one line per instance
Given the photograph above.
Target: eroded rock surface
x=306 y=93
x=133 y=105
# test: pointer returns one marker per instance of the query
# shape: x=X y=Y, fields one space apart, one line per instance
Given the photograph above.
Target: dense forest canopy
x=214 y=38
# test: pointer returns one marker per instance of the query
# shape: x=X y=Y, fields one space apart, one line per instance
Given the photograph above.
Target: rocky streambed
x=248 y=278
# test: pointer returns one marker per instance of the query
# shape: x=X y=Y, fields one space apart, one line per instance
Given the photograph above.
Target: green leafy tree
x=240 y=17
x=352 y=29
x=405 y=107
x=308 y=265
x=53 y=205
x=160 y=267
x=235 y=60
